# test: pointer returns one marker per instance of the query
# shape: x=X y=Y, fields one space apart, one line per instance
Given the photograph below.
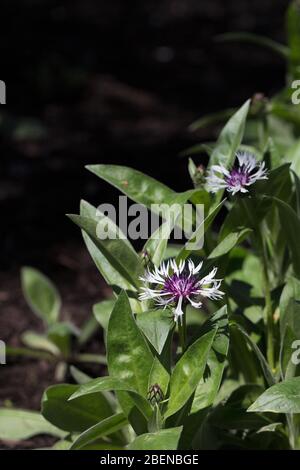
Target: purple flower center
x=238 y=177
x=180 y=285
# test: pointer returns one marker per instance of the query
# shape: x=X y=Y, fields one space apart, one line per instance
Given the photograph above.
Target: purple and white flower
x=244 y=174
x=173 y=285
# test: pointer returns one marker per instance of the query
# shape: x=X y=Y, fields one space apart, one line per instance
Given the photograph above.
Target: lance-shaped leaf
x=290 y=224
x=209 y=385
x=165 y=439
x=116 y=250
x=103 y=384
x=106 y=427
x=270 y=379
x=229 y=141
x=283 y=397
x=156 y=326
x=250 y=38
x=188 y=372
x=108 y=271
x=102 y=311
x=293 y=28
x=176 y=217
x=289 y=326
x=192 y=244
x=76 y=415
x=129 y=356
x=137 y=186
x=159 y=376
x=37 y=341
x=142 y=188
x=229 y=242
x=41 y=294
x=23 y=424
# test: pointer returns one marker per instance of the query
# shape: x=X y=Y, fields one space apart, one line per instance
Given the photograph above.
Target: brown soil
x=23 y=380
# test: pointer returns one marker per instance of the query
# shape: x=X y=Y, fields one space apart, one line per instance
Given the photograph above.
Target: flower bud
x=199 y=176
x=155 y=395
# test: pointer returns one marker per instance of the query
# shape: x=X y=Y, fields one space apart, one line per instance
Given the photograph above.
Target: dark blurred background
x=98 y=81
x=92 y=81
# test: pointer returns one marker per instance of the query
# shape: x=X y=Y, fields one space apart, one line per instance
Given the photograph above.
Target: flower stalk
x=268 y=308
x=182 y=331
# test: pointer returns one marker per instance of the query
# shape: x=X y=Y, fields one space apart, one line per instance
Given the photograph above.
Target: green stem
x=268 y=308
x=91 y=358
x=14 y=352
x=292 y=430
x=182 y=332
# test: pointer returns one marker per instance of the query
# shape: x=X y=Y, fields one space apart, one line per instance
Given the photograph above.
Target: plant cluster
x=202 y=346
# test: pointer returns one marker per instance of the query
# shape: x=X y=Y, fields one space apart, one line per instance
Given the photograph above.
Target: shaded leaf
x=76 y=415
x=106 y=427
x=229 y=242
x=188 y=372
x=208 y=386
x=283 y=397
x=22 y=424
x=156 y=326
x=41 y=294
x=166 y=439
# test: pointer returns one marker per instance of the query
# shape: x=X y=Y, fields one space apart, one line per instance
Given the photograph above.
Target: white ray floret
x=176 y=285
x=239 y=178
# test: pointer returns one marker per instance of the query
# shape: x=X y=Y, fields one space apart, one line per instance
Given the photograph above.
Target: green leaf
x=293 y=29
x=228 y=142
x=61 y=335
x=233 y=414
x=229 y=242
x=208 y=120
x=129 y=357
x=36 y=341
x=292 y=156
x=192 y=169
x=116 y=251
x=76 y=415
x=22 y=424
x=200 y=230
x=156 y=326
x=263 y=363
x=103 y=384
x=296 y=180
x=88 y=330
x=290 y=224
x=112 y=276
x=250 y=38
x=290 y=307
x=137 y=186
x=102 y=311
x=166 y=439
x=188 y=372
x=104 y=428
x=79 y=376
x=289 y=326
x=40 y=294
x=209 y=385
x=156 y=245
x=159 y=375
x=230 y=138
x=283 y=397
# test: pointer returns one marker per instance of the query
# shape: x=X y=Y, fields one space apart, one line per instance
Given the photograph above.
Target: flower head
x=244 y=174
x=175 y=285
